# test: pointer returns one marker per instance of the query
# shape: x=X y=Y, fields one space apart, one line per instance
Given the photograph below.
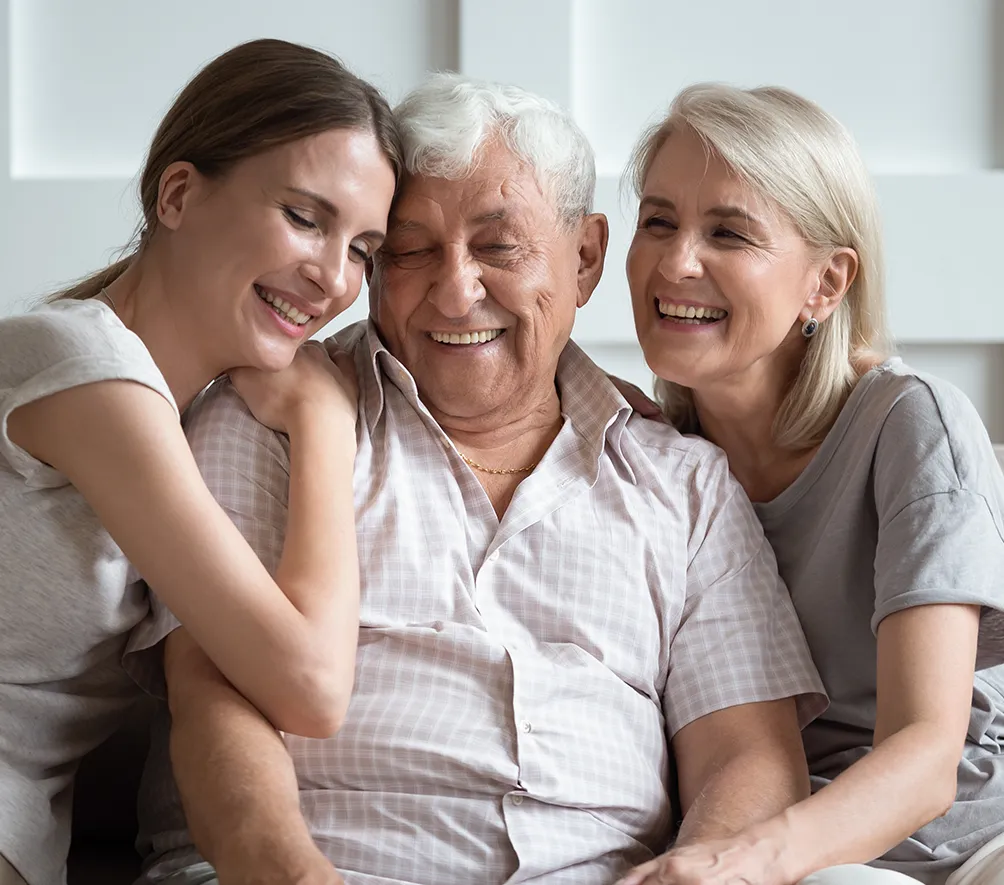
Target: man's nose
x=457 y=287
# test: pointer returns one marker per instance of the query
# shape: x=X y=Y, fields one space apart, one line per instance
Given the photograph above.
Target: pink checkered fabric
x=517 y=680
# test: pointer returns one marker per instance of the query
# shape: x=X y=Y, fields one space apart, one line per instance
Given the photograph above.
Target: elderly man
x=556 y=592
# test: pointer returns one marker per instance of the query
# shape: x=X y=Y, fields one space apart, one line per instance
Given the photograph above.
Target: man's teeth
x=465 y=337
x=284 y=308
x=689 y=312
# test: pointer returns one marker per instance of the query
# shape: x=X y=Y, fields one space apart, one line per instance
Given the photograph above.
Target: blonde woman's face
x=720 y=281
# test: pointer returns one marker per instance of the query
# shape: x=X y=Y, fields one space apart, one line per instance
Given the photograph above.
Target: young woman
x=756 y=279
x=265 y=191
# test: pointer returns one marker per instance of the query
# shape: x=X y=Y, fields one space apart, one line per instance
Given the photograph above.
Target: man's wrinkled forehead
x=488 y=195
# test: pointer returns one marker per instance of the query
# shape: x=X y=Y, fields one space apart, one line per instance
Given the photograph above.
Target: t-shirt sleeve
x=739 y=640
x=57 y=347
x=939 y=494
x=246 y=467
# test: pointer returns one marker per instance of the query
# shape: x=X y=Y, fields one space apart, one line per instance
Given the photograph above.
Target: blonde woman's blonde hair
x=798 y=157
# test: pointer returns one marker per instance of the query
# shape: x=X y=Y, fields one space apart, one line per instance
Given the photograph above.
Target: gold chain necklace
x=495 y=471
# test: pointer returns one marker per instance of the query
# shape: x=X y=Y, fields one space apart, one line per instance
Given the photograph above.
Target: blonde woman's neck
x=738 y=416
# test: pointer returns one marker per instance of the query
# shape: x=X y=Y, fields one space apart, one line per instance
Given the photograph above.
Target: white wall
x=919 y=82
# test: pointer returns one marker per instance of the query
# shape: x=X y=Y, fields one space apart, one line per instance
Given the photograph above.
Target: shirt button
x=517 y=800
x=494 y=557
x=525 y=726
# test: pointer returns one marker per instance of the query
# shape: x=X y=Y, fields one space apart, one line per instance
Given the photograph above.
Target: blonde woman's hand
x=317 y=379
x=640 y=401
x=741 y=860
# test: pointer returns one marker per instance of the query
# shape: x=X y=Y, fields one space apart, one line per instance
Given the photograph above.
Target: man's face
x=476 y=286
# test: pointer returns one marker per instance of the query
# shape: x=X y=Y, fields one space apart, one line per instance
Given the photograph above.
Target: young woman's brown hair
x=256 y=96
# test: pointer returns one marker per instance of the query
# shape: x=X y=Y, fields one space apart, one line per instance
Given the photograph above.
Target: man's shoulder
x=219 y=403
x=350 y=337
x=669 y=452
x=220 y=426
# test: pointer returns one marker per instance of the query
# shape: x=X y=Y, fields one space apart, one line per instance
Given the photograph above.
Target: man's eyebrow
x=490 y=216
x=399 y=226
x=403 y=227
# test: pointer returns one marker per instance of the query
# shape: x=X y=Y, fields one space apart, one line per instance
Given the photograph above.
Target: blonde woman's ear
x=835 y=280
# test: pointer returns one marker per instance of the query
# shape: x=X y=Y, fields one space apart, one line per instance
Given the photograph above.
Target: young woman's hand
x=315 y=380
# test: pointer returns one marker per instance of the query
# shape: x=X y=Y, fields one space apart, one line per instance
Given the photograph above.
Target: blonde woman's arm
x=926 y=659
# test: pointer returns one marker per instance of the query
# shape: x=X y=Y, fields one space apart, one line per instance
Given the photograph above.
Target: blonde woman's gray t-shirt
x=68 y=598
x=901 y=506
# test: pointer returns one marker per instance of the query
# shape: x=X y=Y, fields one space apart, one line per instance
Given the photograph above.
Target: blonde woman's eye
x=728 y=234
x=656 y=222
x=361 y=250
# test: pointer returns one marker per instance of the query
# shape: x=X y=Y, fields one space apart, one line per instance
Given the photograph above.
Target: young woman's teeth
x=284 y=308
x=687 y=313
x=465 y=337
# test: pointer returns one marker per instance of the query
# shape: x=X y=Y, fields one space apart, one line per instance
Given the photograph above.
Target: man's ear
x=594 y=234
x=835 y=278
x=178 y=185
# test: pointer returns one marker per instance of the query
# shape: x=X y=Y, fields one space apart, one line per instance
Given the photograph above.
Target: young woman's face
x=276 y=248
x=719 y=279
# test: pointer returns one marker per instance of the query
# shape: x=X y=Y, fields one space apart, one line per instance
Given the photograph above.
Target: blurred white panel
x=943 y=264
x=5 y=18
x=90 y=81
x=912 y=79
x=527 y=42
x=977 y=369
x=54 y=231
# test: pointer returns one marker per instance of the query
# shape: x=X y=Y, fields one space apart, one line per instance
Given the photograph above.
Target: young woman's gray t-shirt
x=901 y=506
x=68 y=598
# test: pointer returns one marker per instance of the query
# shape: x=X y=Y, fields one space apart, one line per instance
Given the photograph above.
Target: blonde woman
x=756 y=281
x=265 y=191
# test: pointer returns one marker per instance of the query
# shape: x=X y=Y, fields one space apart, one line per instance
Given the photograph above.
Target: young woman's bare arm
x=290 y=651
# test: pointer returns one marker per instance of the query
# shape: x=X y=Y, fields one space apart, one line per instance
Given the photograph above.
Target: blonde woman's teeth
x=284 y=308
x=689 y=312
x=465 y=337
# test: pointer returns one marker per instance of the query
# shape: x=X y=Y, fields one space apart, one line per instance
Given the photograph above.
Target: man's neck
x=503 y=446
x=502 y=430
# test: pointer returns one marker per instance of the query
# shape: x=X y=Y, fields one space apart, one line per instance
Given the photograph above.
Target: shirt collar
x=589 y=400
x=593 y=406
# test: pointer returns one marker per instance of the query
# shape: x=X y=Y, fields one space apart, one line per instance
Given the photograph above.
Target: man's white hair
x=447 y=120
